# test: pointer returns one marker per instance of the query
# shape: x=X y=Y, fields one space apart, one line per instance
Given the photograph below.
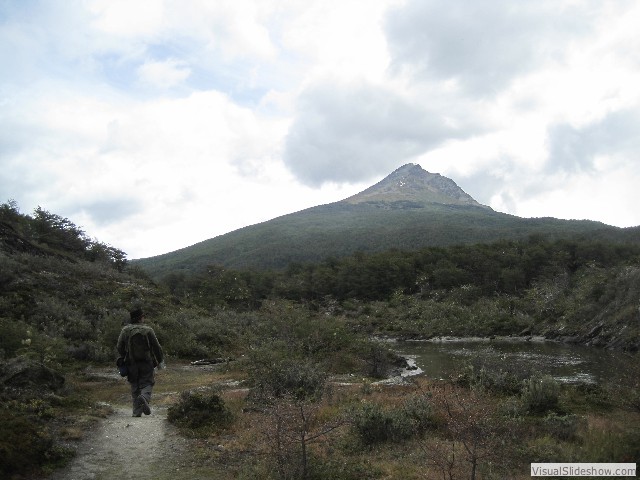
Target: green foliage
x=605 y=445
x=51 y=234
x=27 y=445
x=420 y=411
x=378 y=357
x=563 y=427
x=336 y=468
x=273 y=375
x=373 y=424
x=492 y=374
x=541 y=394
x=341 y=229
x=502 y=288
x=189 y=334
x=197 y=410
x=13 y=336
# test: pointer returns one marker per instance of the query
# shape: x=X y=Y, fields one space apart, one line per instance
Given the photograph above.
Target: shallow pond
x=566 y=363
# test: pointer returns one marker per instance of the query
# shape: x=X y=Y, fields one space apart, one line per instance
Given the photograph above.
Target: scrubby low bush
x=541 y=394
x=419 y=409
x=27 y=445
x=562 y=427
x=272 y=376
x=199 y=410
x=373 y=423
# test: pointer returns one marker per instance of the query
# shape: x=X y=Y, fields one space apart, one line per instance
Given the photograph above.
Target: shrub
x=562 y=427
x=273 y=376
x=13 y=334
x=546 y=449
x=199 y=410
x=27 y=446
x=374 y=424
x=541 y=394
x=420 y=411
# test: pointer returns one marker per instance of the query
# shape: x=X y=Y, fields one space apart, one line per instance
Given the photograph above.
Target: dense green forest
x=64 y=298
x=341 y=229
x=56 y=279
x=583 y=290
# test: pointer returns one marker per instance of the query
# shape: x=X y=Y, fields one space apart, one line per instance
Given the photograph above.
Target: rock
x=576 y=339
x=595 y=330
x=211 y=361
x=526 y=332
x=26 y=374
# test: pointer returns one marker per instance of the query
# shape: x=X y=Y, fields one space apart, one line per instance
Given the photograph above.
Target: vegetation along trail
x=125 y=447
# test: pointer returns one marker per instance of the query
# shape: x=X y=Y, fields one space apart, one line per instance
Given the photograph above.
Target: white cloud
x=157 y=123
x=123 y=18
x=164 y=74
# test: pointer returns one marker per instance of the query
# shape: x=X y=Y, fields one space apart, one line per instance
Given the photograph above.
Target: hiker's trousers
x=141 y=378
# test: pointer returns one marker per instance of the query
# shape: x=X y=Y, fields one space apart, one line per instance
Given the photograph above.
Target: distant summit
x=411 y=184
x=410 y=209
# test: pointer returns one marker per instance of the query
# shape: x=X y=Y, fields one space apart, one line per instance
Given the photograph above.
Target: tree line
x=504 y=267
x=48 y=233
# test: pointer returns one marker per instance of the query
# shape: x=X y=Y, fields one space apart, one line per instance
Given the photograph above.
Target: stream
x=442 y=358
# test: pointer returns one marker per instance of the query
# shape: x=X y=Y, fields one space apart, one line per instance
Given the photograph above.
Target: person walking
x=141 y=351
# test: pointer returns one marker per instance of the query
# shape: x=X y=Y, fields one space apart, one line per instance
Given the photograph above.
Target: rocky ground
x=125 y=447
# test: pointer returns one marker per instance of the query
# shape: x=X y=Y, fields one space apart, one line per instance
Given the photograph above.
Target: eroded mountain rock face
x=411 y=183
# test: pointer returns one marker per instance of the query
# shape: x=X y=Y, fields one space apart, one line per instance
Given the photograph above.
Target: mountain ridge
x=407 y=210
x=411 y=182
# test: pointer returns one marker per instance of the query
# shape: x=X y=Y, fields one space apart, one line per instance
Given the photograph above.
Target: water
x=566 y=363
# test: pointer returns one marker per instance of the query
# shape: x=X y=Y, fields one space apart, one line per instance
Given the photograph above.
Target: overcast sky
x=156 y=124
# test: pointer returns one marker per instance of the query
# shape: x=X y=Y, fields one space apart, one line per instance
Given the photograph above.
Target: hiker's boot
x=144 y=404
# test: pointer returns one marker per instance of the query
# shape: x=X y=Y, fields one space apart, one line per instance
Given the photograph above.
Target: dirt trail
x=125 y=447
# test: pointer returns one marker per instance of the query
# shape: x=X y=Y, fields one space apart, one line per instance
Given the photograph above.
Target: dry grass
x=245 y=448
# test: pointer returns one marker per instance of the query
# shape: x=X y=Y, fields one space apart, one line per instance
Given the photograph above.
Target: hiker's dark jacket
x=140 y=371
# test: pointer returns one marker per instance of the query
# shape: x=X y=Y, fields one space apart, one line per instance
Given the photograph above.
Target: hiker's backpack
x=139 y=347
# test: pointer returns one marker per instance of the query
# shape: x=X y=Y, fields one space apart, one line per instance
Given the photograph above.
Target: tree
x=476 y=435
x=58 y=232
x=292 y=426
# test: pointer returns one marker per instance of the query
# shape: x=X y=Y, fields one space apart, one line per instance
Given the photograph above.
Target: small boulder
x=26 y=374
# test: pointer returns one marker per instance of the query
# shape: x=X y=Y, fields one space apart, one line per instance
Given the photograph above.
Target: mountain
x=409 y=209
x=414 y=185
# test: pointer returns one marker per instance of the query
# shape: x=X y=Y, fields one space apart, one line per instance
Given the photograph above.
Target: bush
x=420 y=411
x=199 y=410
x=26 y=446
x=273 y=376
x=374 y=424
x=541 y=394
x=13 y=334
x=546 y=449
x=562 y=427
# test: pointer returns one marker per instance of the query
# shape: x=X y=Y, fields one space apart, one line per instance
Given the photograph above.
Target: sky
x=156 y=124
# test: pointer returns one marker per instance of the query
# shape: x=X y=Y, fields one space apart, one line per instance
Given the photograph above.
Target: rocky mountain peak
x=411 y=183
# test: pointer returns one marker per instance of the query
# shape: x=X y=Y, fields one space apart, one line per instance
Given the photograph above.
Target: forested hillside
x=579 y=291
x=342 y=229
x=64 y=298
x=409 y=209
x=63 y=301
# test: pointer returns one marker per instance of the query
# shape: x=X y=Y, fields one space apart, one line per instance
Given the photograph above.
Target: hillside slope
x=409 y=209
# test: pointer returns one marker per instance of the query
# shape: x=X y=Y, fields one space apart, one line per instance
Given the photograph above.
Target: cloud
x=106 y=211
x=165 y=74
x=481 y=46
x=156 y=125
x=591 y=147
x=348 y=132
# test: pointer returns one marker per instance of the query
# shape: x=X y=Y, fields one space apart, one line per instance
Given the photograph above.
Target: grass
x=592 y=425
